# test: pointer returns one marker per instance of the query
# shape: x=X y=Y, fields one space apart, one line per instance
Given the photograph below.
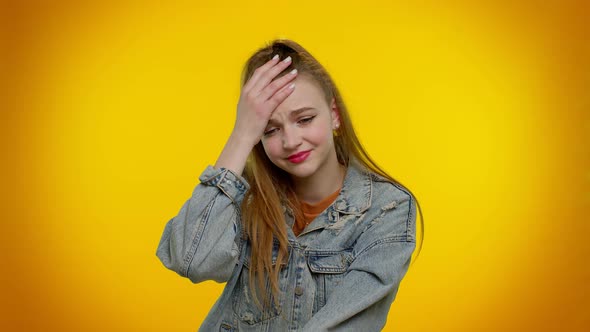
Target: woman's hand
x=259 y=98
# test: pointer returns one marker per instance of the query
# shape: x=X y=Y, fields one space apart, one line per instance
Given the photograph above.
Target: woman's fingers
x=259 y=71
x=277 y=84
x=260 y=96
x=268 y=74
x=278 y=97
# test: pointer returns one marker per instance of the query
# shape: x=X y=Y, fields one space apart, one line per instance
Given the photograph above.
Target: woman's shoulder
x=385 y=190
x=392 y=208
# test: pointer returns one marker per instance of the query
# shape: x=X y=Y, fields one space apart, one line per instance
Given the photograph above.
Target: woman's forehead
x=307 y=94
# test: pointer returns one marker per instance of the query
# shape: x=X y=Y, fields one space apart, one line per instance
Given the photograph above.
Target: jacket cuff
x=233 y=185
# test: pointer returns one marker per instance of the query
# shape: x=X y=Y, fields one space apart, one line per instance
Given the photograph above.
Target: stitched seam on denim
x=220 y=186
x=324 y=253
x=370 y=201
x=341 y=268
x=216 y=173
x=241 y=233
x=197 y=236
x=330 y=269
x=240 y=182
x=329 y=254
x=409 y=230
x=393 y=239
x=231 y=287
x=231 y=178
x=409 y=219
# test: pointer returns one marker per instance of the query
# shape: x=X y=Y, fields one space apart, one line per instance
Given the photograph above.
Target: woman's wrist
x=235 y=154
x=244 y=138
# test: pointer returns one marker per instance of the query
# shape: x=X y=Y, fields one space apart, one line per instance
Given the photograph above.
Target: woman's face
x=303 y=122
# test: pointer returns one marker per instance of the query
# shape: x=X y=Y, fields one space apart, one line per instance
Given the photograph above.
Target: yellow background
x=113 y=109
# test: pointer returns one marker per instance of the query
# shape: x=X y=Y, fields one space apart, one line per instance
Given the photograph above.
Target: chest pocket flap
x=275 y=252
x=329 y=261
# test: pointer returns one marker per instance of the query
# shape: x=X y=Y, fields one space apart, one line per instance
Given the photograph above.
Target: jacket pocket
x=244 y=304
x=328 y=268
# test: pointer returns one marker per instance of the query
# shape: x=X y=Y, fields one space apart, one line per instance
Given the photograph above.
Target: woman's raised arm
x=203 y=242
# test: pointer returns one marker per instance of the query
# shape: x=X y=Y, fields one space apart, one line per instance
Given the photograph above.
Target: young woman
x=307 y=231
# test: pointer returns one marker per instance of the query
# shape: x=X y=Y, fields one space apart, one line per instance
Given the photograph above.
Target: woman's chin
x=299 y=171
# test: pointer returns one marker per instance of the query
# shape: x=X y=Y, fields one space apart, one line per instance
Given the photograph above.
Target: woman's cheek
x=322 y=135
x=271 y=148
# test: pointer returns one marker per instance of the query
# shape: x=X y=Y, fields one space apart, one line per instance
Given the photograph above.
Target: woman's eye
x=269 y=132
x=306 y=120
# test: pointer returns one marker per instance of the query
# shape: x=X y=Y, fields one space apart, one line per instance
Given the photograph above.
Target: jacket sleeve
x=382 y=256
x=203 y=241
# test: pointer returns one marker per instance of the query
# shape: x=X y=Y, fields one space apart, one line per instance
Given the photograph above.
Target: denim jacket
x=343 y=270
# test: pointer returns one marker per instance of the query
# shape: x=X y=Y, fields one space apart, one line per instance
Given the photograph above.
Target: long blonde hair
x=271 y=187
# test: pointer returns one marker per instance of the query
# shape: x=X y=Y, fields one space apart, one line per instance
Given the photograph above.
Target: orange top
x=311 y=211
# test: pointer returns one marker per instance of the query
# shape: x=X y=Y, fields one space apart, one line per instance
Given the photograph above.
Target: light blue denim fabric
x=344 y=269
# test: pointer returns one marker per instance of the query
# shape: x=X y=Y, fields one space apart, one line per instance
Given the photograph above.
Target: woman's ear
x=335 y=112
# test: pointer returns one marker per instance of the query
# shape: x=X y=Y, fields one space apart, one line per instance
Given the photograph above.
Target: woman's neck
x=324 y=182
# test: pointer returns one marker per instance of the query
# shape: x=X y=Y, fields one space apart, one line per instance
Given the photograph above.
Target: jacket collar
x=356 y=192
x=354 y=198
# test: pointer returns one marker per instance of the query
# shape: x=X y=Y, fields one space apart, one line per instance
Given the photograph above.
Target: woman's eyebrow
x=293 y=113
x=299 y=110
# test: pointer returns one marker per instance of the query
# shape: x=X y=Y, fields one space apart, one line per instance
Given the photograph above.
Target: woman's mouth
x=299 y=157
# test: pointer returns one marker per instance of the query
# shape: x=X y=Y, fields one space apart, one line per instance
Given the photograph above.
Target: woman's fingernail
x=293 y=71
x=275 y=57
x=287 y=59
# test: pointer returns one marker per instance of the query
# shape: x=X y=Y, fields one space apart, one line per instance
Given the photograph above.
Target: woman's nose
x=291 y=138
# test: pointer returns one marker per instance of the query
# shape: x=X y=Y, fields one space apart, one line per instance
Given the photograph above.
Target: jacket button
x=298 y=290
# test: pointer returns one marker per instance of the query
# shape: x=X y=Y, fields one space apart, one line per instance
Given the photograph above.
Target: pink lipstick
x=299 y=157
